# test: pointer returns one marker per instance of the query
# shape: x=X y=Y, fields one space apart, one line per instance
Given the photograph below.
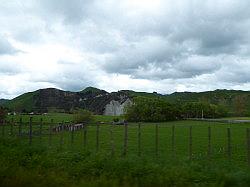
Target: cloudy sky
x=144 y=45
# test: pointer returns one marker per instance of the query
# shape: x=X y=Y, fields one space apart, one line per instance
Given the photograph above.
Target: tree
x=82 y=116
x=151 y=110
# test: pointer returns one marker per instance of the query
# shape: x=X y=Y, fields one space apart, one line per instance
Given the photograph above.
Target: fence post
x=3 y=128
x=97 y=136
x=173 y=141
x=30 y=131
x=20 y=127
x=209 y=143
x=190 y=143
x=248 y=146
x=50 y=131
x=112 y=140
x=62 y=133
x=139 y=139
x=156 y=139
x=85 y=136
x=125 y=139
x=11 y=126
x=72 y=134
x=40 y=128
x=229 y=147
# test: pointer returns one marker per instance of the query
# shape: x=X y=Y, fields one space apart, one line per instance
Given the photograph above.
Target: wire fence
x=191 y=142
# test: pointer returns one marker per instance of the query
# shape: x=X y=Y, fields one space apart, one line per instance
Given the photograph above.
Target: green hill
x=23 y=102
x=2 y=101
x=237 y=102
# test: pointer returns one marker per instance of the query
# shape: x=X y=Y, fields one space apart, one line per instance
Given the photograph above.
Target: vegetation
x=234 y=102
x=206 y=110
x=42 y=164
x=158 y=109
x=151 y=110
x=83 y=116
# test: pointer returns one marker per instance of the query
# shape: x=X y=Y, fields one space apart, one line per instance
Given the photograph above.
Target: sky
x=142 y=45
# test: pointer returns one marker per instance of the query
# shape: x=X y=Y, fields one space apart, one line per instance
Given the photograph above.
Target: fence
x=133 y=138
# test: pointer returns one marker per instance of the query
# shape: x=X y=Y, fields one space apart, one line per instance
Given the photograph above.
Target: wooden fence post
x=97 y=136
x=30 y=131
x=139 y=139
x=3 y=128
x=229 y=147
x=248 y=146
x=50 y=131
x=40 y=128
x=11 y=126
x=85 y=136
x=190 y=143
x=125 y=146
x=209 y=143
x=62 y=134
x=72 y=134
x=173 y=141
x=20 y=127
x=112 y=142
x=156 y=139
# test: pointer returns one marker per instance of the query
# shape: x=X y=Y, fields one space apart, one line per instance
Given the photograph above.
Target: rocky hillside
x=54 y=100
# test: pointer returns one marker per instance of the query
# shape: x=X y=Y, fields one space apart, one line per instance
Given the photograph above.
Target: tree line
x=157 y=109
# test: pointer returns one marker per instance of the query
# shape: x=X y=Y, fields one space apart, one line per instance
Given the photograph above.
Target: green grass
x=72 y=164
x=57 y=118
x=237 y=118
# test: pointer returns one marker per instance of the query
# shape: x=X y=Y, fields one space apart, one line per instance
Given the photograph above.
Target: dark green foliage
x=235 y=102
x=206 y=110
x=82 y=116
x=158 y=109
x=116 y=119
x=152 y=110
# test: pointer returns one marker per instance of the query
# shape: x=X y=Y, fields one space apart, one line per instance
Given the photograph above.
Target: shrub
x=82 y=116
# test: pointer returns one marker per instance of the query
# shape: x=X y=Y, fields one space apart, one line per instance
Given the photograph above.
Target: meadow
x=151 y=154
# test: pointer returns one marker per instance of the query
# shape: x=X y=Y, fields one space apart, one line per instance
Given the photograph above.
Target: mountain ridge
x=52 y=99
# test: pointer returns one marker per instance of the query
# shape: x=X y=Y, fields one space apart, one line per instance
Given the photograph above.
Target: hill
x=2 y=101
x=55 y=100
x=237 y=102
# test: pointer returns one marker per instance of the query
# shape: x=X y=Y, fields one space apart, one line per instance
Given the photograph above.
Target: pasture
x=180 y=153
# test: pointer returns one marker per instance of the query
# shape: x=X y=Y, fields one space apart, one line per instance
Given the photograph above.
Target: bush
x=82 y=116
x=116 y=120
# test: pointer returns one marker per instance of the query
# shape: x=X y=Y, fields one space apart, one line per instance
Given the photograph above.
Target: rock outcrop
x=55 y=100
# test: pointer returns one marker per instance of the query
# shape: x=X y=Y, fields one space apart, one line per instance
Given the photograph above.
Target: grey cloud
x=5 y=47
x=72 y=11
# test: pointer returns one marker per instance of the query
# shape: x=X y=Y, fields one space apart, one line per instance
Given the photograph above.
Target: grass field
x=237 y=118
x=65 y=161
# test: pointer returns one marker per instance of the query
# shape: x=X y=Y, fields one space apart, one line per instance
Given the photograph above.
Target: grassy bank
x=63 y=160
